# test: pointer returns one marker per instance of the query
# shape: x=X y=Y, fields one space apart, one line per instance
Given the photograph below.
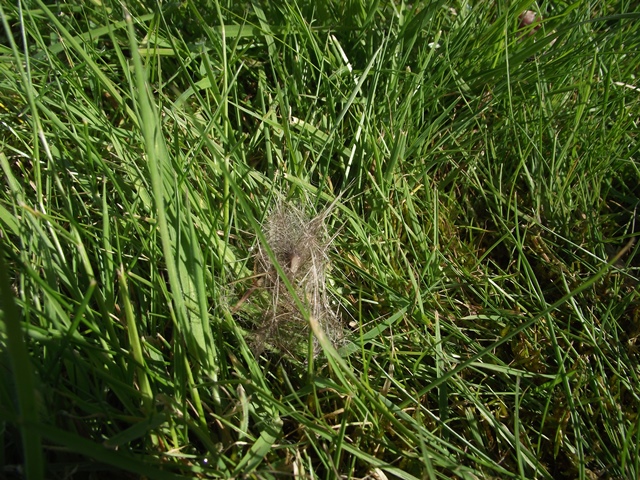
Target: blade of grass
x=23 y=376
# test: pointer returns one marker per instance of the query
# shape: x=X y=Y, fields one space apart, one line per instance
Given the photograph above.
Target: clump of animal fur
x=300 y=245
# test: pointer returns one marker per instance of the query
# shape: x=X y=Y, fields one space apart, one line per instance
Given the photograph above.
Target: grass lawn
x=334 y=239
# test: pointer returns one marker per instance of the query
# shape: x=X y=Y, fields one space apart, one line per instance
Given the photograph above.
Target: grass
x=478 y=187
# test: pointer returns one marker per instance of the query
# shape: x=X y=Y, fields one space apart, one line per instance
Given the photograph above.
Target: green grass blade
x=23 y=376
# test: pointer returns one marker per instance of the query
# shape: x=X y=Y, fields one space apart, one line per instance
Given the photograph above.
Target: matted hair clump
x=300 y=245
